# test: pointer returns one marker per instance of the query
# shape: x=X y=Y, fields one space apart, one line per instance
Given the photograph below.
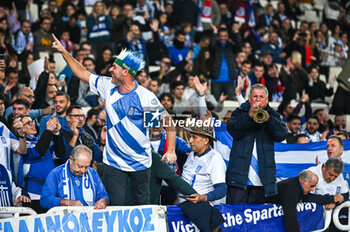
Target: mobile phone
x=2 y=57
x=187 y=196
x=54 y=113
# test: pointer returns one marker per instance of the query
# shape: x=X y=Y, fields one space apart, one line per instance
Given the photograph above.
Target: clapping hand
x=201 y=88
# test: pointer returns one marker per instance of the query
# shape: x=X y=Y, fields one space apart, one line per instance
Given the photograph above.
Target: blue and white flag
x=293 y=158
x=199 y=18
x=290 y=159
x=251 y=21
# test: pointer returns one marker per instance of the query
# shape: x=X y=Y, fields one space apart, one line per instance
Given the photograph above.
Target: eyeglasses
x=28 y=96
x=77 y=115
x=31 y=122
x=102 y=120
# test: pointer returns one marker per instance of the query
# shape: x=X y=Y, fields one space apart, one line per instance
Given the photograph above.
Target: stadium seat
x=153 y=68
x=263 y=3
x=323 y=78
x=88 y=10
x=59 y=61
x=42 y=55
x=334 y=71
x=319 y=5
x=35 y=11
x=279 y=66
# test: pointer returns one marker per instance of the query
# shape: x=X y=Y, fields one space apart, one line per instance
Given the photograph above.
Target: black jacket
x=290 y=193
x=216 y=54
x=244 y=131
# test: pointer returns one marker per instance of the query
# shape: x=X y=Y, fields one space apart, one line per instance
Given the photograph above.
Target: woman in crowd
x=38 y=162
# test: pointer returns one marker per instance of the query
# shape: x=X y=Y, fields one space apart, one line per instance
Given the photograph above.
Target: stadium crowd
x=233 y=46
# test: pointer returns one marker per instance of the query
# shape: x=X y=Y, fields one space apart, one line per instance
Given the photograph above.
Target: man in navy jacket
x=251 y=172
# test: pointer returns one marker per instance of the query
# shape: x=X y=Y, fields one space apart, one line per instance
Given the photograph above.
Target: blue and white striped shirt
x=127 y=144
x=8 y=143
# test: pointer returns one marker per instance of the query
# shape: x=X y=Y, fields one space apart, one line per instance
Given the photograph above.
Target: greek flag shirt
x=8 y=143
x=128 y=146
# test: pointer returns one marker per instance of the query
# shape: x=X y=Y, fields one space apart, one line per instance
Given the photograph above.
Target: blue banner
x=252 y=217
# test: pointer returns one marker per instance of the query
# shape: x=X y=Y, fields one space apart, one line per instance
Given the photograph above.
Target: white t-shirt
x=339 y=185
x=8 y=143
x=203 y=172
x=127 y=144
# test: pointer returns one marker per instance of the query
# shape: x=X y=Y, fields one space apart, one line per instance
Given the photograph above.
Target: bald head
x=27 y=94
x=308 y=180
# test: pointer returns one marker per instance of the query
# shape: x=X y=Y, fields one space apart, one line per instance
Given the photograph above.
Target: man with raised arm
x=127 y=153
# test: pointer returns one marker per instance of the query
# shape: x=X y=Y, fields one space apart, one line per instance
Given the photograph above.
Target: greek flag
x=293 y=158
x=290 y=159
x=199 y=18
x=251 y=21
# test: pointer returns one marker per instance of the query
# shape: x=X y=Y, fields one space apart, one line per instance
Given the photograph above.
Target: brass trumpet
x=259 y=116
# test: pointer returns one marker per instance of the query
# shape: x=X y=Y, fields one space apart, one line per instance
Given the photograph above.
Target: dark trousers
x=252 y=194
x=223 y=87
x=35 y=205
x=115 y=182
x=341 y=101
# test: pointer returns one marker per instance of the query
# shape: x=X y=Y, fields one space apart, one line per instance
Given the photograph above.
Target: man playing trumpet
x=254 y=126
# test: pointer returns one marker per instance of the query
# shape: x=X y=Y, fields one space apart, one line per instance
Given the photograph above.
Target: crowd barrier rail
x=336 y=215
x=240 y=217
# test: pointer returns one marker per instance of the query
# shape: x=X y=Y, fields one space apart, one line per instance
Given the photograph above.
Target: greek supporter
x=93 y=123
x=286 y=109
x=74 y=183
x=38 y=162
x=252 y=169
x=127 y=153
x=290 y=192
x=27 y=94
x=61 y=102
x=311 y=129
x=331 y=183
x=19 y=107
x=86 y=98
x=335 y=148
x=293 y=124
x=99 y=26
x=74 y=134
x=205 y=168
x=339 y=126
x=302 y=138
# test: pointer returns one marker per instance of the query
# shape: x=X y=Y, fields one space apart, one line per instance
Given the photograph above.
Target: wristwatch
x=22 y=136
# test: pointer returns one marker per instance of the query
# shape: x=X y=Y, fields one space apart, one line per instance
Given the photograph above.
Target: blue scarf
x=87 y=183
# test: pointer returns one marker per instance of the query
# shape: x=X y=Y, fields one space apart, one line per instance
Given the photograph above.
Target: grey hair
x=79 y=149
x=335 y=163
x=340 y=141
x=306 y=175
x=259 y=86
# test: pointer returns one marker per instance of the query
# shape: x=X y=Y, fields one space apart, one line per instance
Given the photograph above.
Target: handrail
x=16 y=211
x=336 y=217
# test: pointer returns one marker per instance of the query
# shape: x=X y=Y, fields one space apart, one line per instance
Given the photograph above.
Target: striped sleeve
x=100 y=85
x=14 y=142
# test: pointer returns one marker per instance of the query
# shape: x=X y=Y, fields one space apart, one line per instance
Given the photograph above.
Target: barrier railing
x=336 y=216
x=240 y=217
x=16 y=211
